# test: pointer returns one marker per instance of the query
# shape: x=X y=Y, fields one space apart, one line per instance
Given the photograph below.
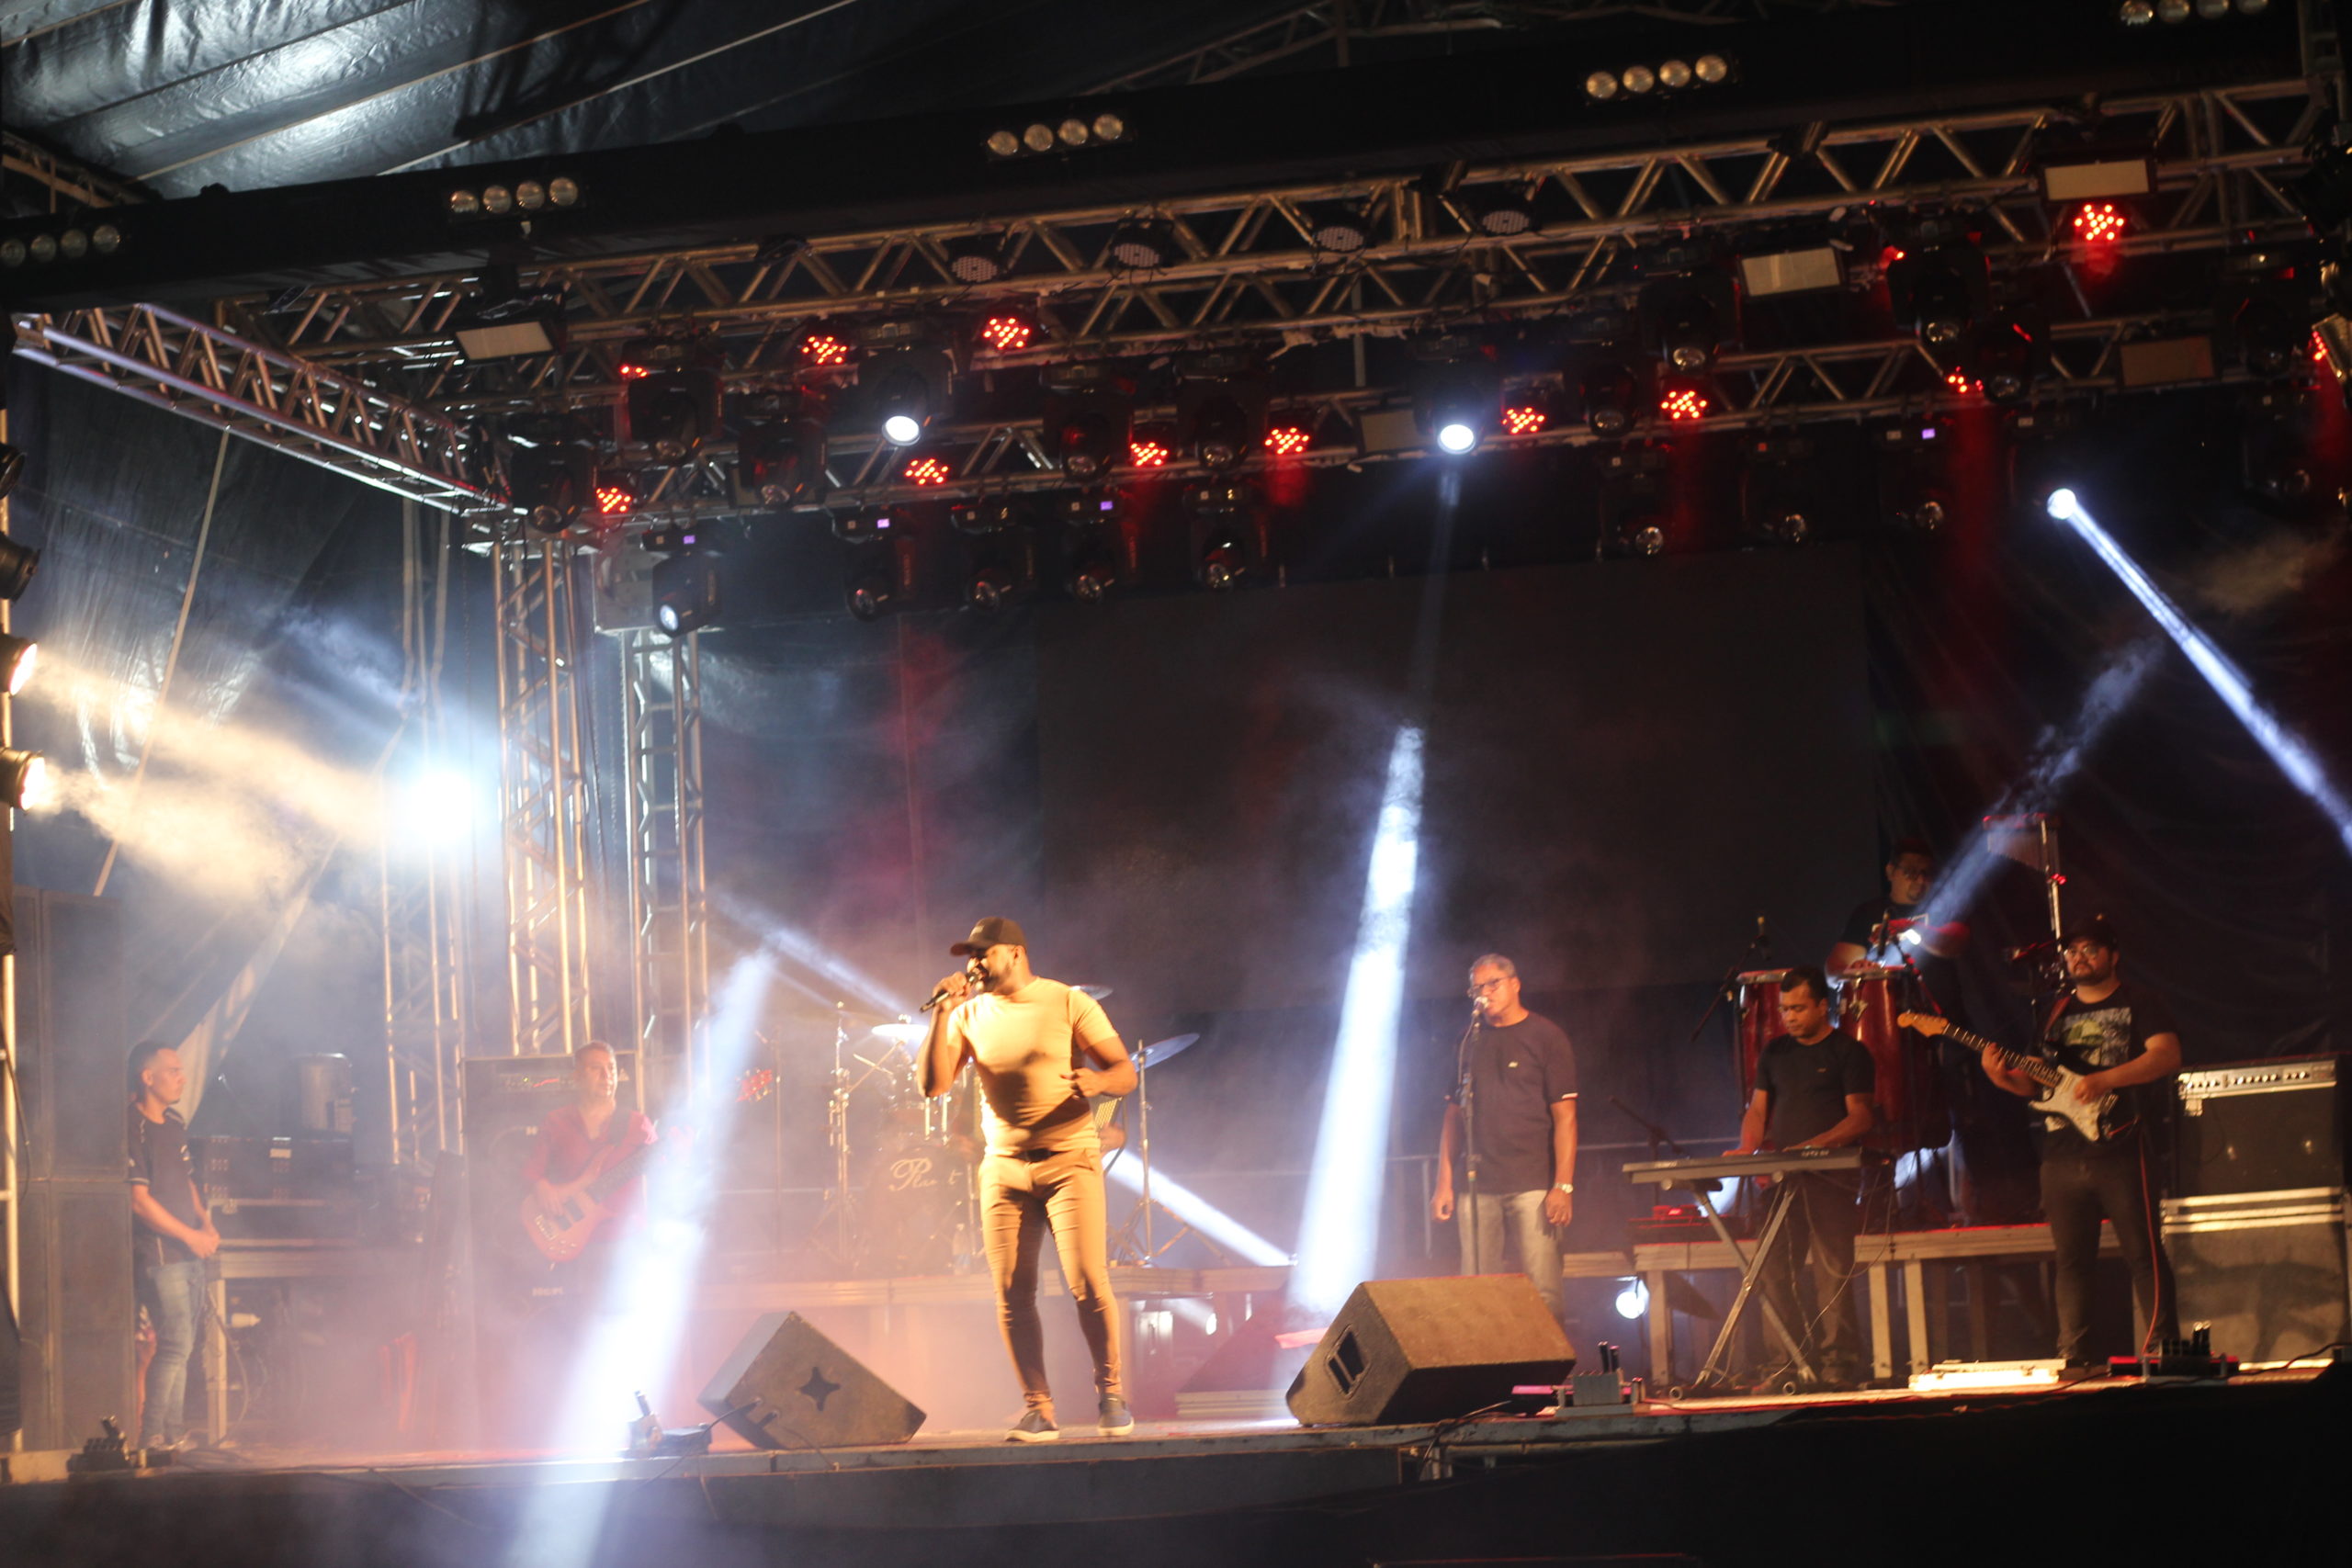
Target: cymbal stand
x=837 y=1206
x=1137 y=1242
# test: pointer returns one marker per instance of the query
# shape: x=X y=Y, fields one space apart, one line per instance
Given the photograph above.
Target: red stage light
x=1958 y=380
x=1683 y=405
x=927 y=471
x=1288 y=440
x=2319 y=348
x=634 y=372
x=614 y=499
x=825 y=350
x=1146 y=453
x=1007 y=332
x=1524 y=421
x=2100 y=223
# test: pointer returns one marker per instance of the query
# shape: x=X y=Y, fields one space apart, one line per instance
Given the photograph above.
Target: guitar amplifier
x=2270 y=1273
x=2261 y=1127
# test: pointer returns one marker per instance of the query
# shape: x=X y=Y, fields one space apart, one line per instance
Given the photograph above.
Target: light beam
x=2294 y=759
x=1201 y=1215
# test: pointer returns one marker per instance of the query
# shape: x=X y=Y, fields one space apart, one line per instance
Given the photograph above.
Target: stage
x=2246 y=1467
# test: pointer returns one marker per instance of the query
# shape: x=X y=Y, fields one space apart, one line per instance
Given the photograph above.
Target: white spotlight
x=1340 y=1229
x=2294 y=759
x=1635 y=1299
x=902 y=430
x=1457 y=436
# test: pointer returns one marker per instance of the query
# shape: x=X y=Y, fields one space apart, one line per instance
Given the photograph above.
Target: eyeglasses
x=1483 y=987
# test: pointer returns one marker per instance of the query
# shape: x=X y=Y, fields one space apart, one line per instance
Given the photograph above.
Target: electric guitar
x=563 y=1231
x=2054 y=1080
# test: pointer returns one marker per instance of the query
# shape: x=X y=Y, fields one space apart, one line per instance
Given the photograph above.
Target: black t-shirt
x=2098 y=1036
x=1808 y=1084
x=1936 y=974
x=1518 y=1072
x=159 y=1163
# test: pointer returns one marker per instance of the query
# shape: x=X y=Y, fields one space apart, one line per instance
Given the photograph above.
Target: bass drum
x=1910 y=1092
x=914 y=1192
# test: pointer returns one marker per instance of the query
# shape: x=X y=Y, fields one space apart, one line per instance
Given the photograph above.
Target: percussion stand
x=1124 y=1248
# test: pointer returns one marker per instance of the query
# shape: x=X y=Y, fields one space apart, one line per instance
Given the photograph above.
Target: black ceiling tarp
x=253 y=94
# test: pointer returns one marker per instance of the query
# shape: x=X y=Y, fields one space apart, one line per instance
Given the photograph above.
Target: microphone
x=1478 y=1012
x=938 y=996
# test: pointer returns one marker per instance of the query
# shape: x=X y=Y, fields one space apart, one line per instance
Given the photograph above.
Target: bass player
x=581 y=1140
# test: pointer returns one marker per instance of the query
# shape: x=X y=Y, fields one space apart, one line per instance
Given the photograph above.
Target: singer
x=1039 y=1049
x=1511 y=1124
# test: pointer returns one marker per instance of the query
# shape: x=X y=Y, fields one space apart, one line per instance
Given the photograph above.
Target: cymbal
x=1159 y=1051
x=1097 y=992
x=902 y=1032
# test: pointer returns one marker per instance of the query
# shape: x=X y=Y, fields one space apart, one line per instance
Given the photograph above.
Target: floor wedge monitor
x=1404 y=1352
x=788 y=1386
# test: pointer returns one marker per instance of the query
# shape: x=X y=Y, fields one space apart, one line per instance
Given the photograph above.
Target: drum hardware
x=1137 y=1240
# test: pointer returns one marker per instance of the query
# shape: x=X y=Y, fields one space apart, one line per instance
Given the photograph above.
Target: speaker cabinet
x=796 y=1388
x=1405 y=1351
x=2266 y=1271
x=2269 y=1126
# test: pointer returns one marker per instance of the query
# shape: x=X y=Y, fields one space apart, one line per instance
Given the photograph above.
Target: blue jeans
x=1479 y=1216
x=172 y=1294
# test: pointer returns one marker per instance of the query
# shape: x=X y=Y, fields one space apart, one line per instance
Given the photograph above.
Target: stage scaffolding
x=543 y=794
x=669 y=914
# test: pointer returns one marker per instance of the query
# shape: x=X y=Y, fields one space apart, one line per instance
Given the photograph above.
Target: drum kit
x=905 y=1194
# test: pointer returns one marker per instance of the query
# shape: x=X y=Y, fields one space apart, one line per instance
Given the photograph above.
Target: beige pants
x=1020 y=1201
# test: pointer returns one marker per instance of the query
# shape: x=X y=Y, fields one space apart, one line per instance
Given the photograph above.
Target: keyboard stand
x=1751 y=1270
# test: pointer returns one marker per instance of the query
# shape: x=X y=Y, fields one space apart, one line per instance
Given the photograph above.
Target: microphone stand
x=1657 y=1135
x=1466 y=1213
x=1758 y=953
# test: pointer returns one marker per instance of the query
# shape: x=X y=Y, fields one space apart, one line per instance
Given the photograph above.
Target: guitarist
x=582 y=1139
x=2120 y=1037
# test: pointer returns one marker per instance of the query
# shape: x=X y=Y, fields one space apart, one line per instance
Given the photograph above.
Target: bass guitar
x=2054 y=1081
x=562 y=1230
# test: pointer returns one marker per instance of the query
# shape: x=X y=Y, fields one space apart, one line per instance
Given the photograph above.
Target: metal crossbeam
x=265 y=394
x=69 y=183
x=1249 y=272
x=544 y=796
x=669 y=917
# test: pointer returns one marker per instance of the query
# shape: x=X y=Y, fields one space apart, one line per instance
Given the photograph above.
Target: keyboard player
x=1813 y=1091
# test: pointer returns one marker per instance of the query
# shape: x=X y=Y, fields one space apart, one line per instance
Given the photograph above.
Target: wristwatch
x=1565 y=1186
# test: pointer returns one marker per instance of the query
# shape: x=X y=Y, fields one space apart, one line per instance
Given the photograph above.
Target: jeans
x=1812 y=1263
x=1479 y=1216
x=1021 y=1200
x=2079 y=1185
x=172 y=1294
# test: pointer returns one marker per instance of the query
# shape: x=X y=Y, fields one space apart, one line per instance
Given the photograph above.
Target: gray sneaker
x=1035 y=1426
x=1115 y=1420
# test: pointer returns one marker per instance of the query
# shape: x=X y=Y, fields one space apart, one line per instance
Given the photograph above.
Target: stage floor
x=1657 y=1477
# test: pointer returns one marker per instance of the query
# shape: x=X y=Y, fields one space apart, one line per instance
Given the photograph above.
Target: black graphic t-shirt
x=159 y=1163
x=1518 y=1072
x=2095 y=1036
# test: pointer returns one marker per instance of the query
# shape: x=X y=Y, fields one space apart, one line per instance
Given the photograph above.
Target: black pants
x=2080 y=1185
x=1805 y=1278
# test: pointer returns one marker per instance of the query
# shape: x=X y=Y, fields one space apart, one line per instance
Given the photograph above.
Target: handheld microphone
x=938 y=996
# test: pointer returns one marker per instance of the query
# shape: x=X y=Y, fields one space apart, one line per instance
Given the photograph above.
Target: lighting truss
x=669 y=910
x=268 y=395
x=1248 y=268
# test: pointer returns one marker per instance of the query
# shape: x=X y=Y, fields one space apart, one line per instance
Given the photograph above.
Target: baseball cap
x=2096 y=928
x=989 y=933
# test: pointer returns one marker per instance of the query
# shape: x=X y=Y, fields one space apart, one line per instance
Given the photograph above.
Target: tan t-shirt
x=1026 y=1044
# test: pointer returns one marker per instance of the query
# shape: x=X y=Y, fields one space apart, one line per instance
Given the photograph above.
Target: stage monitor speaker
x=790 y=1386
x=2261 y=1127
x=1405 y=1351
x=2264 y=1270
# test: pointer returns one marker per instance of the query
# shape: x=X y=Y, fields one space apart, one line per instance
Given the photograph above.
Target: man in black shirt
x=1813 y=1091
x=1515 y=1134
x=1897 y=930
x=2122 y=1040
x=171 y=1234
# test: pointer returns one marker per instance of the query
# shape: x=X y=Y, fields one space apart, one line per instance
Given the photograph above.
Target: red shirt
x=565 y=1150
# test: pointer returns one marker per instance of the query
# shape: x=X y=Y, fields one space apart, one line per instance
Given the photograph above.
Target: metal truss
x=1862 y=379
x=68 y=182
x=669 y=913
x=1249 y=275
x=543 y=795
x=1326 y=33
x=424 y=907
x=267 y=395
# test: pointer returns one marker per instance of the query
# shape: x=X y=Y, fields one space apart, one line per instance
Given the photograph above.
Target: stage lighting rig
x=1458 y=391
x=1143 y=244
x=906 y=386
x=685 y=580
x=1221 y=408
x=17 y=657
x=671 y=394
x=1683 y=400
x=823 y=348
x=1007 y=328
x=1688 y=319
x=1339 y=228
x=2267 y=301
x=1645 y=82
x=1938 y=291
x=1608 y=396
x=1777 y=502
x=24 y=779
x=975 y=258
x=1501 y=214
x=870 y=592
x=1089 y=408
x=1150 y=446
x=988 y=515
x=1069 y=134
x=869 y=525
x=1290 y=437
x=2007 y=351
x=2274 y=459
x=615 y=496
x=990 y=587
x=927 y=471
x=550 y=471
x=1092 y=576
x=781 y=462
x=1631 y=500
x=1913 y=492
x=1093 y=509
x=503 y=320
